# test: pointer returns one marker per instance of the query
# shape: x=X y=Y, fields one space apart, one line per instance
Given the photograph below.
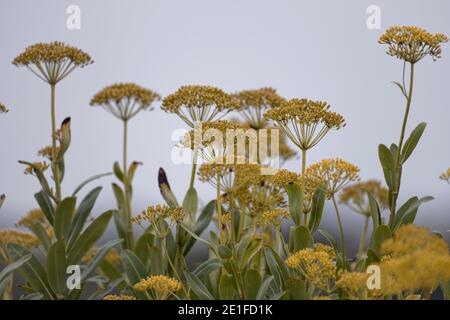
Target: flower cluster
x=52 y=61
x=334 y=173
x=418 y=260
x=153 y=213
x=273 y=217
x=353 y=283
x=355 y=196
x=125 y=100
x=411 y=44
x=116 y=297
x=317 y=266
x=33 y=216
x=162 y=285
x=198 y=103
x=301 y=118
x=22 y=238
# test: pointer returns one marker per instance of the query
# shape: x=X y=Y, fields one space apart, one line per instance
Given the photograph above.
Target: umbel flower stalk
x=410 y=44
x=196 y=104
x=52 y=62
x=124 y=101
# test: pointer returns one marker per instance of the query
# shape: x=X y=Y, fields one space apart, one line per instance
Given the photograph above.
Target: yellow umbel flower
x=284 y=178
x=445 y=176
x=354 y=284
x=125 y=100
x=162 y=286
x=304 y=121
x=418 y=260
x=411 y=44
x=14 y=236
x=253 y=104
x=355 y=196
x=335 y=174
x=317 y=267
x=53 y=61
x=33 y=216
x=115 y=297
x=153 y=213
x=3 y=109
x=273 y=217
x=199 y=104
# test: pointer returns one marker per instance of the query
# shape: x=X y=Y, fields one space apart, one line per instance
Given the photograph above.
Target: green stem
x=55 y=169
x=194 y=171
x=398 y=175
x=126 y=183
x=362 y=243
x=302 y=187
x=341 y=227
x=219 y=207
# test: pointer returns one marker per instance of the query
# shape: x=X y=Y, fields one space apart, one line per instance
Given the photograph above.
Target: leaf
x=192 y=234
x=412 y=141
x=329 y=237
x=374 y=210
x=9 y=269
x=197 y=286
x=251 y=251
x=302 y=238
x=82 y=214
x=402 y=89
x=227 y=290
x=318 y=203
x=97 y=259
x=118 y=171
x=262 y=292
x=297 y=289
x=388 y=164
x=295 y=199
x=164 y=188
x=190 y=203
x=31 y=270
x=93 y=178
x=408 y=214
x=89 y=237
x=41 y=232
x=144 y=242
x=56 y=267
x=63 y=217
x=132 y=170
x=252 y=284
x=46 y=205
x=40 y=175
x=202 y=223
x=381 y=234
x=208 y=267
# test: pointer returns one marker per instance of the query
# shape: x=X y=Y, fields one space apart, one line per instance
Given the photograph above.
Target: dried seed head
x=355 y=196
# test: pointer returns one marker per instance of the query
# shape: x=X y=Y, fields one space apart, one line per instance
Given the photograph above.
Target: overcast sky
x=314 y=49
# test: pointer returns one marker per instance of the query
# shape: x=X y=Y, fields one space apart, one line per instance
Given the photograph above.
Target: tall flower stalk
x=305 y=122
x=124 y=101
x=410 y=44
x=53 y=62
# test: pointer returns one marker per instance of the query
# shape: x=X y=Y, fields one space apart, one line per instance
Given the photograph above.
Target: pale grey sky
x=314 y=49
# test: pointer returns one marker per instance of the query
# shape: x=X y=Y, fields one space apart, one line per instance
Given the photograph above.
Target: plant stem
x=219 y=206
x=341 y=227
x=398 y=161
x=126 y=183
x=302 y=187
x=194 y=170
x=362 y=243
x=55 y=169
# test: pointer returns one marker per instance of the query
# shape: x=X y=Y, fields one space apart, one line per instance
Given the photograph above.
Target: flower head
x=285 y=178
x=33 y=216
x=353 y=283
x=445 y=176
x=355 y=196
x=411 y=44
x=316 y=266
x=418 y=260
x=125 y=100
x=154 y=213
x=335 y=174
x=52 y=61
x=18 y=237
x=161 y=285
x=253 y=104
x=199 y=104
x=273 y=217
x=304 y=121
